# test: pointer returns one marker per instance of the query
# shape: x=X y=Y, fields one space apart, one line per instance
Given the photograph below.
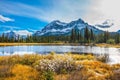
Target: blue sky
x=31 y=15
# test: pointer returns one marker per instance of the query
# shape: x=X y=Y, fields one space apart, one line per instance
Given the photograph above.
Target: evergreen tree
x=91 y=35
x=3 y=37
x=106 y=36
x=78 y=36
x=73 y=35
x=117 y=38
x=86 y=35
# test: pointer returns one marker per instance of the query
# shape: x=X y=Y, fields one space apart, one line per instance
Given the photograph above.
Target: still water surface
x=114 y=53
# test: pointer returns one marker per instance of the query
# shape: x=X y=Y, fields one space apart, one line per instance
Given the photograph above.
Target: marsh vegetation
x=54 y=66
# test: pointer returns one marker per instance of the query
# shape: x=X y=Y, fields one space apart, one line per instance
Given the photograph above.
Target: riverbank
x=15 y=44
x=56 y=67
x=72 y=44
x=108 y=45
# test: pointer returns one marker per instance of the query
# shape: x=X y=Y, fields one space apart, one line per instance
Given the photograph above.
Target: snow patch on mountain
x=14 y=33
x=23 y=32
x=60 y=28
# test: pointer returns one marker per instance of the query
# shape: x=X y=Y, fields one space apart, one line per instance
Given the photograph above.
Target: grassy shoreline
x=108 y=45
x=56 y=67
x=15 y=44
x=74 y=44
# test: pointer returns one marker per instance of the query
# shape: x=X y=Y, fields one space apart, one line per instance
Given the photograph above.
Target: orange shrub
x=23 y=72
x=4 y=71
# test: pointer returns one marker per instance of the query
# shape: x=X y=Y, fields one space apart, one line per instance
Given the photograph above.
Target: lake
x=114 y=53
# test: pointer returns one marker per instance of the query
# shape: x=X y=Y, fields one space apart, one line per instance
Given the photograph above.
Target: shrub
x=58 y=65
x=55 y=66
x=82 y=57
x=48 y=75
x=83 y=74
x=111 y=41
x=115 y=66
x=116 y=72
x=17 y=59
x=5 y=71
x=99 y=68
x=52 y=53
x=23 y=72
x=116 y=75
x=103 y=57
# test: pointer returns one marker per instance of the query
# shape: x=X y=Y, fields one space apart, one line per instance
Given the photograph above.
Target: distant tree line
x=76 y=36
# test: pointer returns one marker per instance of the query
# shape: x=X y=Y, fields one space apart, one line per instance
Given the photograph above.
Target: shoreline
x=13 y=44
x=108 y=45
x=66 y=44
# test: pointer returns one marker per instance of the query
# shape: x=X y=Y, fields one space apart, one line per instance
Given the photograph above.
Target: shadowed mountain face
x=56 y=28
x=61 y=28
x=11 y=34
x=118 y=31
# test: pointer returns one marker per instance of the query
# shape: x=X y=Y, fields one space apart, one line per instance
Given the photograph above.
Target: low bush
x=116 y=75
x=23 y=72
x=103 y=58
x=57 y=67
x=111 y=41
x=5 y=71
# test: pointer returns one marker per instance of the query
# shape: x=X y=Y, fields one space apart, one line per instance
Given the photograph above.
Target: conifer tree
x=117 y=38
x=86 y=35
x=91 y=35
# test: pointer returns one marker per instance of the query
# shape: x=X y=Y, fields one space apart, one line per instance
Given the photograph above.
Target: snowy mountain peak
x=57 y=22
x=118 y=31
x=11 y=34
x=60 y=28
x=20 y=33
x=80 y=20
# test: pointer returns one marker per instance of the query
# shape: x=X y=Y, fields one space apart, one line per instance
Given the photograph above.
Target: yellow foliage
x=99 y=68
x=82 y=57
x=115 y=66
x=23 y=72
x=23 y=67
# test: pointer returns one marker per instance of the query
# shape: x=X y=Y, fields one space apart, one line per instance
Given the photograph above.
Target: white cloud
x=20 y=9
x=23 y=32
x=102 y=10
x=66 y=10
x=32 y=30
x=92 y=11
x=5 y=19
x=9 y=27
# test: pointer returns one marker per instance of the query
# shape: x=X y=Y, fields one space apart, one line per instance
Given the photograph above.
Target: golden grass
x=27 y=67
x=14 y=44
x=23 y=72
x=108 y=45
x=60 y=43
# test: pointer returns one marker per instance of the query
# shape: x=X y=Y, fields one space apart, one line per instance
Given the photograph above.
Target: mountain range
x=61 y=28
